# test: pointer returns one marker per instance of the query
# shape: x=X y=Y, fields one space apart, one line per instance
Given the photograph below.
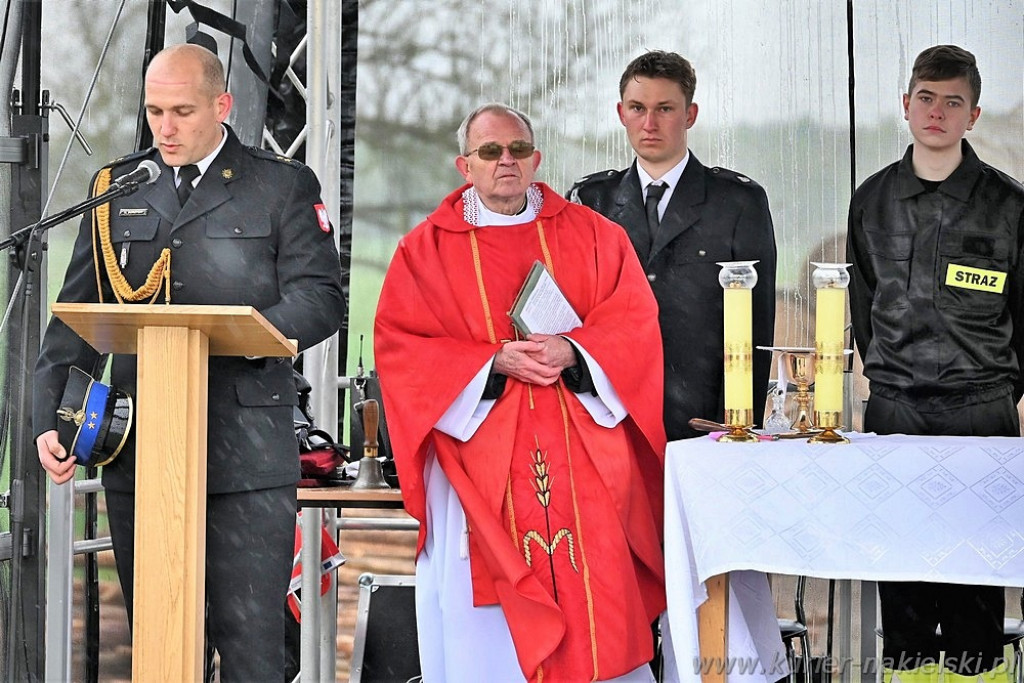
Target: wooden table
x=318 y=645
x=345 y=497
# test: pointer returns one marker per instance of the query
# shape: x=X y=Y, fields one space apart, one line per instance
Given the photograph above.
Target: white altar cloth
x=897 y=507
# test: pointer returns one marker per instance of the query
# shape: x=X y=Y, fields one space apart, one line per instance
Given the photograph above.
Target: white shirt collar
x=205 y=162
x=670 y=178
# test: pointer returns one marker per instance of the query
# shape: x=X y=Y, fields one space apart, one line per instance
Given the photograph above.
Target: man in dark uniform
x=936 y=302
x=252 y=232
x=682 y=219
x=699 y=217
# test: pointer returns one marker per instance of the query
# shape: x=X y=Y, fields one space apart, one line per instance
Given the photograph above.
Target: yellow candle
x=739 y=372
x=829 y=320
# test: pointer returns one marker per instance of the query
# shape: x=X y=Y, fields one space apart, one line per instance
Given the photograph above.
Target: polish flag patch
x=322 y=218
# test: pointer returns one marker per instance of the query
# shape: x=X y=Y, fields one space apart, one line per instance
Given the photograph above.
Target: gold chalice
x=798 y=369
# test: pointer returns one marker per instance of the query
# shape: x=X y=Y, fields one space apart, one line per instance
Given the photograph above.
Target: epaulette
x=141 y=154
x=261 y=153
x=592 y=177
x=728 y=174
x=601 y=176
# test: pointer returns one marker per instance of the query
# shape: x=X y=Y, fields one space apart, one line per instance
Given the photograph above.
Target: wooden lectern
x=173 y=344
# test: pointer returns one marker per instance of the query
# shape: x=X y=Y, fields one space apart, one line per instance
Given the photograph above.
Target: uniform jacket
x=714 y=215
x=937 y=291
x=248 y=235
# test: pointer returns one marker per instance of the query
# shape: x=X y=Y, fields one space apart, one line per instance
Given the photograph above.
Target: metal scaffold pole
x=25 y=637
x=320 y=363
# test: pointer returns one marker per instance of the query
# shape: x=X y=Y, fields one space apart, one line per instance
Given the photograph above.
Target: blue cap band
x=95 y=406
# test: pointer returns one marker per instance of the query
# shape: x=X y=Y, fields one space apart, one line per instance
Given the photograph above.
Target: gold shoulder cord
x=123 y=291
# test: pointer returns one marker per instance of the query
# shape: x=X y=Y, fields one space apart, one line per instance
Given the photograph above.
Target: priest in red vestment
x=534 y=463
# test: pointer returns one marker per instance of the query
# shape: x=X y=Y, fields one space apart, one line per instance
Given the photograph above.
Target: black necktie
x=186 y=174
x=654 y=194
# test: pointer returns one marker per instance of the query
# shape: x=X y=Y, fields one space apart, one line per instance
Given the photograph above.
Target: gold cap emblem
x=71 y=415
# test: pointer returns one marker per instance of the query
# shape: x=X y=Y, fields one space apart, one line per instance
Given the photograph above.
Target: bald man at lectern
x=248 y=228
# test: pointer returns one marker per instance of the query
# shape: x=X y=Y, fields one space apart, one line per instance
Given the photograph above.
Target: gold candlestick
x=830 y=282
x=738 y=279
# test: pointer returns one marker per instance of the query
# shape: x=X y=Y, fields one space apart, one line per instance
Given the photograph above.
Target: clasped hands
x=539 y=359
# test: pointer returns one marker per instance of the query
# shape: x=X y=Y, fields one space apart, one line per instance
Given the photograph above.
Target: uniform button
x=127 y=233
x=702 y=253
x=651 y=277
x=238 y=231
x=176 y=242
x=177 y=285
x=276 y=397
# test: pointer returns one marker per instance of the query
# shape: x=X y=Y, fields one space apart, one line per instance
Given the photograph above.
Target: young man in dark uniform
x=252 y=232
x=935 y=241
x=682 y=219
x=698 y=217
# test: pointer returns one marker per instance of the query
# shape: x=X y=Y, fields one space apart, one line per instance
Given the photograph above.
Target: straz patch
x=977 y=279
x=322 y=218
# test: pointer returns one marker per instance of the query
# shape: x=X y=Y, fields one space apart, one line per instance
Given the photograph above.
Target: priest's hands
x=538 y=360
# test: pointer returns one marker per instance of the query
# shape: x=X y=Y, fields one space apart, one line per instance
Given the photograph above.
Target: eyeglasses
x=491 y=151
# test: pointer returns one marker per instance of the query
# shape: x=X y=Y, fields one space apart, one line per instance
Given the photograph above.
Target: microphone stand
x=27 y=532
x=20 y=242
x=20 y=237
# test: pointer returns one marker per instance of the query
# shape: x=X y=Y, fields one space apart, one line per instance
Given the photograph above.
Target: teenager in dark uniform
x=935 y=241
x=705 y=215
x=253 y=232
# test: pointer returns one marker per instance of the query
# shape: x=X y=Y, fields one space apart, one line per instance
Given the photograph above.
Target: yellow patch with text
x=977 y=279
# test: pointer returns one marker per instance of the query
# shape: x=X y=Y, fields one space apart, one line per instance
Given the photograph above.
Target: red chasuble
x=564 y=515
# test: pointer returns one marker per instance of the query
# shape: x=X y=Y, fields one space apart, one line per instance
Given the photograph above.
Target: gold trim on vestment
x=579 y=531
x=542 y=479
x=480 y=285
x=513 y=528
x=544 y=248
x=565 y=427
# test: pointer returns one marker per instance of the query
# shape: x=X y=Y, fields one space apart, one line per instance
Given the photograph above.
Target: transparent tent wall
x=772 y=88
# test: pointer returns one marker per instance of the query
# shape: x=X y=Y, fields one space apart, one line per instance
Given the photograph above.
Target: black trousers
x=250 y=539
x=971 y=617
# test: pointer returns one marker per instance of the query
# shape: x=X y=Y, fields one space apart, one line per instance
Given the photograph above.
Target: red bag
x=321 y=461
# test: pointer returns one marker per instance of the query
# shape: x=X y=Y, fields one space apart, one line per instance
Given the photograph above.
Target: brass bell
x=371 y=470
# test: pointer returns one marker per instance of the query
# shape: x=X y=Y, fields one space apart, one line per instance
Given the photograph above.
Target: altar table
x=882 y=508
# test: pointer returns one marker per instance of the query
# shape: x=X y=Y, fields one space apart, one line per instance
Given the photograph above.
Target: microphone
x=146 y=172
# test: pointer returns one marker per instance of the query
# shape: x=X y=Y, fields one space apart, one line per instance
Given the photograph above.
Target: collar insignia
x=227 y=174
